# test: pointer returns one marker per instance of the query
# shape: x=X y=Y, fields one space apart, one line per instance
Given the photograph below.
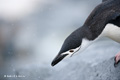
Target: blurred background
x=32 y=33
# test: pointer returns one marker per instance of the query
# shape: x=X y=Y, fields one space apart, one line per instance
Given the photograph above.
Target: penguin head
x=73 y=43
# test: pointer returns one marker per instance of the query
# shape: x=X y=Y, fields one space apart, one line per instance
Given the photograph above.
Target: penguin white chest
x=112 y=31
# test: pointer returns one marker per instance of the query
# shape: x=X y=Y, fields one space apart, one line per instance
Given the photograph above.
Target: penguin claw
x=116 y=60
x=116 y=64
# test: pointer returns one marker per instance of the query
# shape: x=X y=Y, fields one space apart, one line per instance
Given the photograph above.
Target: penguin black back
x=101 y=15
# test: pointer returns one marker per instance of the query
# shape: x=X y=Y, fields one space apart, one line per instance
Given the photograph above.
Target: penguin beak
x=58 y=59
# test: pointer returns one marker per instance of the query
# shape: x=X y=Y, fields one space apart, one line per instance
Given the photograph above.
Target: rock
x=82 y=71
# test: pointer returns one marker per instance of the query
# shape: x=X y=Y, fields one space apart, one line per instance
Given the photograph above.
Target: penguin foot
x=117 y=59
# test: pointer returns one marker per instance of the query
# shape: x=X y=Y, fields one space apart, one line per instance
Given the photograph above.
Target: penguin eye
x=71 y=50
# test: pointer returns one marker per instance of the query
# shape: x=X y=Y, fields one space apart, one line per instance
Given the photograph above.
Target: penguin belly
x=112 y=31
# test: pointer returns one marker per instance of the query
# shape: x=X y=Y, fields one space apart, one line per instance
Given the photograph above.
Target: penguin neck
x=85 y=44
x=87 y=37
x=88 y=34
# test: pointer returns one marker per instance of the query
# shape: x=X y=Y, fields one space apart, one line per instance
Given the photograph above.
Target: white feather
x=112 y=31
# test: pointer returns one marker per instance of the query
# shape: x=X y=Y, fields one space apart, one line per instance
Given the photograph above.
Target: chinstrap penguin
x=104 y=21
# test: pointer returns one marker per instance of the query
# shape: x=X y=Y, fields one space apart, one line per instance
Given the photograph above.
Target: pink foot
x=117 y=59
